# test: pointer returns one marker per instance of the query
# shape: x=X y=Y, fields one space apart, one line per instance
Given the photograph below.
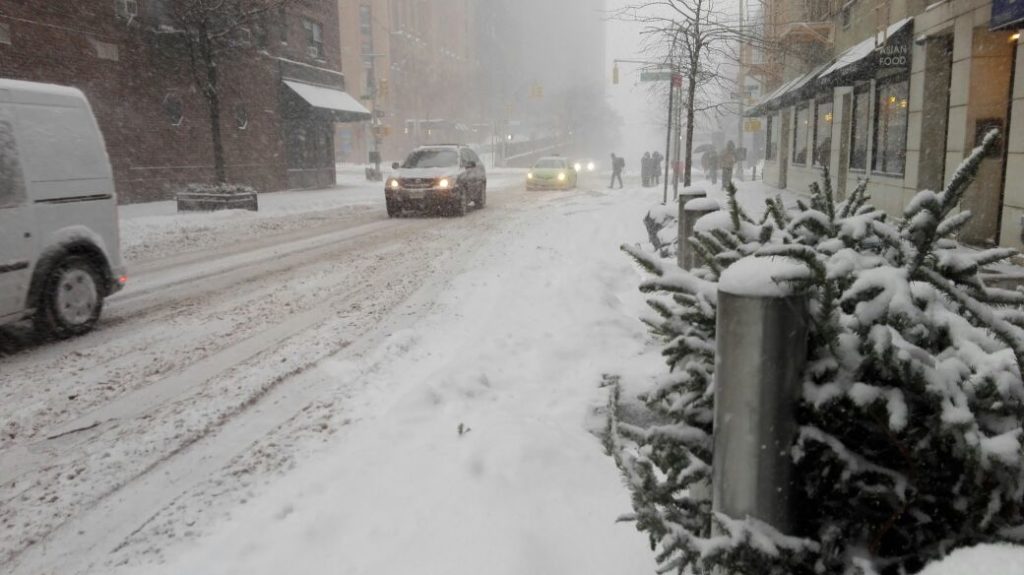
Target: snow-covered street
x=348 y=353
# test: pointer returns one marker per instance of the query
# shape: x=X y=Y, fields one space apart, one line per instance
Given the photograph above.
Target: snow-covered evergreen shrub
x=910 y=440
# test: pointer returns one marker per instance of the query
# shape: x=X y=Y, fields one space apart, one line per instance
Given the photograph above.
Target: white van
x=59 y=246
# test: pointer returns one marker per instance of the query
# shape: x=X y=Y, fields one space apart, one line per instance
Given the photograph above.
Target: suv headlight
x=393 y=184
x=444 y=183
x=561 y=176
x=529 y=175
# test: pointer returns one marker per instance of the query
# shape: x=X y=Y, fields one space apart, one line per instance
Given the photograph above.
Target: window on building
x=314 y=38
x=282 y=24
x=241 y=116
x=366 y=28
x=770 y=139
x=823 y=132
x=127 y=9
x=859 y=130
x=800 y=128
x=891 y=116
x=174 y=108
x=12 y=185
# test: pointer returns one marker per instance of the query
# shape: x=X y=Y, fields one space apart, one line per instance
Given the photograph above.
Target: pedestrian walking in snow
x=728 y=161
x=645 y=170
x=618 y=164
x=656 y=159
x=711 y=165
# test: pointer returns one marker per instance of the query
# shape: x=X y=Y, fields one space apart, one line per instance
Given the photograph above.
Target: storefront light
x=903 y=103
x=1015 y=36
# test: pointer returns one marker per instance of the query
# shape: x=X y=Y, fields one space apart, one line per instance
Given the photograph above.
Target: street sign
x=655 y=76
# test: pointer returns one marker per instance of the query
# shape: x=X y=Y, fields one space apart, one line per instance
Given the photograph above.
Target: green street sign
x=655 y=76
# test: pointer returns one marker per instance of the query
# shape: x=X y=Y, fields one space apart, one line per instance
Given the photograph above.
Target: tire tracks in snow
x=97 y=524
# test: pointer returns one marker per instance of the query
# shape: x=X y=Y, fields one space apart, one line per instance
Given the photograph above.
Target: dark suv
x=445 y=176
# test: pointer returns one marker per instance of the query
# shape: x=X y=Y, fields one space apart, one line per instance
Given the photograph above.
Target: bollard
x=761 y=351
x=689 y=212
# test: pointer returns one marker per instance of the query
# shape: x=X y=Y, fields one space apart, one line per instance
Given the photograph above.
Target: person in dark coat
x=712 y=165
x=618 y=164
x=645 y=169
x=728 y=161
x=656 y=159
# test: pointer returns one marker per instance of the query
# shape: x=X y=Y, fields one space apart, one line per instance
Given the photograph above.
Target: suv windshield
x=550 y=163
x=432 y=159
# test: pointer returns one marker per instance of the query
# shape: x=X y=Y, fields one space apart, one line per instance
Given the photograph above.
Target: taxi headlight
x=444 y=183
x=561 y=176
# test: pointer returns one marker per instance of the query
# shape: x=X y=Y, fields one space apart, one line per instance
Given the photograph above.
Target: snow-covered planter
x=208 y=198
x=910 y=437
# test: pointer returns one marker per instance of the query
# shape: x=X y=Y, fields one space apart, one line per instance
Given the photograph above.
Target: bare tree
x=216 y=32
x=699 y=39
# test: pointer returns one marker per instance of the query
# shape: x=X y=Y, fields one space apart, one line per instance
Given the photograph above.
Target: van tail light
x=122 y=280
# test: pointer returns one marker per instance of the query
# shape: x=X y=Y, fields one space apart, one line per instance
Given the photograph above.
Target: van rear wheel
x=71 y=300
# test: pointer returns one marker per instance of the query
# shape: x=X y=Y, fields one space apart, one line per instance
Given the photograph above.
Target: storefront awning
x=344 y=107
x=784 y=94
x=884 y=50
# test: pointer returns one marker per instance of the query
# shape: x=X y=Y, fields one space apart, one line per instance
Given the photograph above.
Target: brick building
x=281 y=90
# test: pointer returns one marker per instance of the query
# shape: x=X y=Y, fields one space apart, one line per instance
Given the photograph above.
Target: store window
x=823 y=132
x=770 y=139
x=800 y=127
x=891 y=116
x=859 y=130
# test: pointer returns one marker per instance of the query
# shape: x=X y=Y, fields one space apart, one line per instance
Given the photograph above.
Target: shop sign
x=895 y=53
x=1006 y=13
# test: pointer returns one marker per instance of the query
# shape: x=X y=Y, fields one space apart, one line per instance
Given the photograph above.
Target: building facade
x=414 y=62
x=910 y=89
x=280 y=88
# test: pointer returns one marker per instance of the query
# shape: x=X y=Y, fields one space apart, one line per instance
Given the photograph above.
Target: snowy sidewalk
x=512 y=353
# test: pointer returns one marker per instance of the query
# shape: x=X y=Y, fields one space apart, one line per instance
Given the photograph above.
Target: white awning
x=860 y=52
x=329 y=99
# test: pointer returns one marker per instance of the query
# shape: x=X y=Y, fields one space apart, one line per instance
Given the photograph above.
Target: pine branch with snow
x=911 y=437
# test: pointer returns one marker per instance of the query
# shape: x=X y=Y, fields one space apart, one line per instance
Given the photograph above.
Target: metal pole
x=679 y=145
x=738 y=168
x=668 y=135
x=693 y=205
x=761 y=353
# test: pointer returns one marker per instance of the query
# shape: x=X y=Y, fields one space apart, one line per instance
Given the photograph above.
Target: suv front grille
x=417 y=182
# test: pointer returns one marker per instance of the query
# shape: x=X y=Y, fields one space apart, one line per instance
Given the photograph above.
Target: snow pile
x=983 y=560
x=762 y=277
